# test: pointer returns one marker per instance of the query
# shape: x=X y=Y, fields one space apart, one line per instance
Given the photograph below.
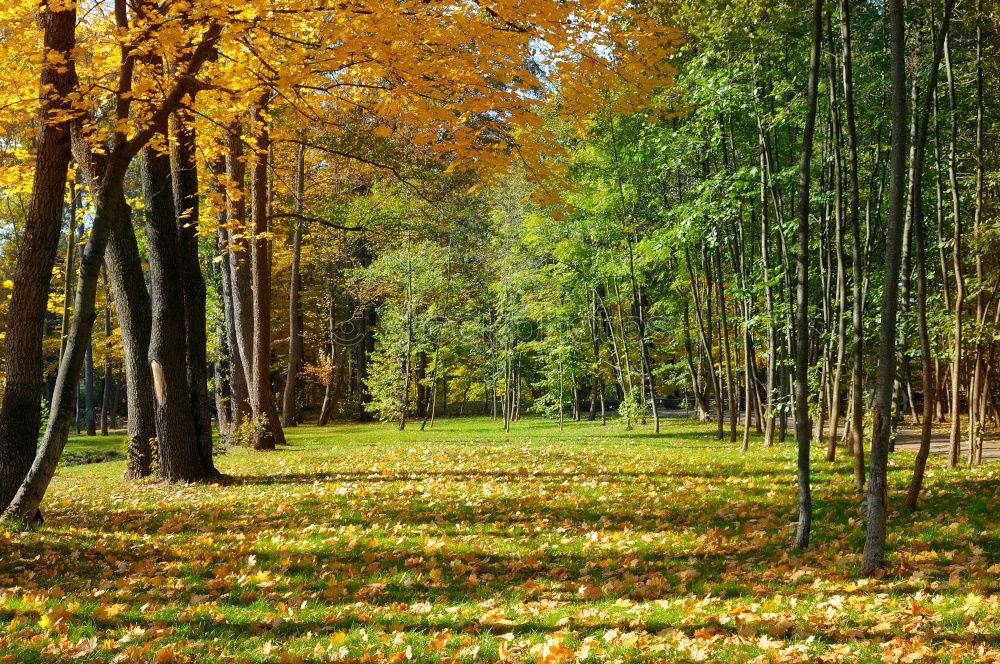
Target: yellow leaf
x=438 y=640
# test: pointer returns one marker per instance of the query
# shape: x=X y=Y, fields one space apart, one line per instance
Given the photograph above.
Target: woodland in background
x=782 y=216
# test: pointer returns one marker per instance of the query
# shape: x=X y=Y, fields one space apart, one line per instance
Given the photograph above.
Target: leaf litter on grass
x=544 y=548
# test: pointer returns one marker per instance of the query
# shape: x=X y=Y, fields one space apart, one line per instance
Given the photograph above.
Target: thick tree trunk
x=25 y=503
x=133 y=308
x=20 y=410
x=186 y=203
x=177 y=443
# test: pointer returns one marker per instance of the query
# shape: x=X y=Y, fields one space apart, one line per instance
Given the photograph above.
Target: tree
x=878 y=496
x=20 y=410
x=802 y=427
x=106 y=200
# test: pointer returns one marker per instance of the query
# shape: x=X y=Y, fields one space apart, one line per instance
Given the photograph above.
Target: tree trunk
x=288 y=406
x=177 y=444
x=838 y=212
x=88 y=391
x=976 y=420
x=956 y=364
x=916 y=202
x=802 y=433
x=232 y=267
x=107 y=390
x=874 y=551
x=20 y=410
x=69 y=269
x=186 y=204
x=133 y=308
x=857 y=258
x=267 y=432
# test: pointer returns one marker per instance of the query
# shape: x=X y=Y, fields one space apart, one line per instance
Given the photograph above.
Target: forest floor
x=358 y=543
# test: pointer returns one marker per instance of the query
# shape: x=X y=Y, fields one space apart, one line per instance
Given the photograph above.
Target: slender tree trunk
x=976 y=418
x=268 y=433
x=692 y=372
x=916 y=203
x=802 y=432
x=562 y=401
x=107 y=389
x=88 y=391
x=232 y=268
x=69 y=269
x=838 y=213
x=703 y=335
x=609 y=331
x=288 y=409
x=772 y=338
x=956 y=364
x=335 y=376
x=878 y=498
x=731 y=389
x=857 y=257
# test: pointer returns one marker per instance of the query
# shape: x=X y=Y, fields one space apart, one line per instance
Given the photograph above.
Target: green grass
x=84 y=449
x=463 y=543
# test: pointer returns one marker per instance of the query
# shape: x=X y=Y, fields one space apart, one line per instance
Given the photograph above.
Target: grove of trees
x=239 y=217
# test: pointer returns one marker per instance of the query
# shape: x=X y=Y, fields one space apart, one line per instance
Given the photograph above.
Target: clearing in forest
x=464 y=544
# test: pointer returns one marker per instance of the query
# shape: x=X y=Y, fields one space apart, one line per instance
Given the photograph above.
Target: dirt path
x=909 y=439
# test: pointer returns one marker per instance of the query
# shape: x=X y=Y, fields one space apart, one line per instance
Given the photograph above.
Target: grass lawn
x=358 y=543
